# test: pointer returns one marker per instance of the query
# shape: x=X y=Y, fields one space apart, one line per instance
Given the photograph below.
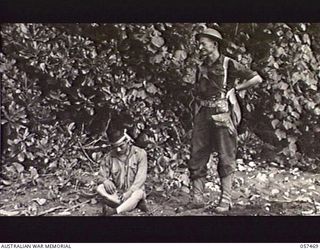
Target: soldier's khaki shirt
x=209 y=77
x=129 y=175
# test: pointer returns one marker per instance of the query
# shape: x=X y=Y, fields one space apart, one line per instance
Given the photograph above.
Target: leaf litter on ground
x=263 y=190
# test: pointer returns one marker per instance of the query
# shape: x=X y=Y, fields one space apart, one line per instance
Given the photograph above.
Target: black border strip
x=159 y=11
x=160 y=229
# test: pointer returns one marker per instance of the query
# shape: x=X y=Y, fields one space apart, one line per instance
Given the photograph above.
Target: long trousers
x=113 y=200
x=208 y=138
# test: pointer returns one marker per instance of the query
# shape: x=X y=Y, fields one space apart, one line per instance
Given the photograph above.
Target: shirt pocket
x=218 y=71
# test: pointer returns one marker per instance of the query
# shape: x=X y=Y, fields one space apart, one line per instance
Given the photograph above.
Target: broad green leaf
x=151 y=88
x=279 y=107
x=33 y=173
x=293 y=148
x=18 y=166
x=280 y=134
x=24 y=28
x=292 y=139
x=275 y=191
x=30 y=155
x=310 y=105
x=40 y=201
x=295 y=114
x=171 y=173
x=53 y=164
x=156 y=59
x=317 y=111
x=283 y=85
x=275 y=123
x=158 y=41
x=141 y=94
x=180 y=55
x=306 y=39
x=287 y=125
x=297 y=38
x=44 y=141
x=21 y=157
x=297 y=105
x=296 y=76
x=278 y=97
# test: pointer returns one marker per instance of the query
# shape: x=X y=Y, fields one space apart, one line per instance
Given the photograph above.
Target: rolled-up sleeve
x=237 y=70
x=141 y=175
x=104 y=171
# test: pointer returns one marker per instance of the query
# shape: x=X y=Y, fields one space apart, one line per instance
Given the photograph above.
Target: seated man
x=123 y=173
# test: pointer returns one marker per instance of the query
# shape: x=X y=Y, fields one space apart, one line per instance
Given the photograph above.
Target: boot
x=108 y=211
x=197 y=194
x=142 y=205
x=225 y=203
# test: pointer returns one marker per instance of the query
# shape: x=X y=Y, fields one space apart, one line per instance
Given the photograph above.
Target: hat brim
x=119 y=141
x=214 y=38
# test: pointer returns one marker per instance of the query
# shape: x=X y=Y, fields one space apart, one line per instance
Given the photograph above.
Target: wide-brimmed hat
x=212 y=34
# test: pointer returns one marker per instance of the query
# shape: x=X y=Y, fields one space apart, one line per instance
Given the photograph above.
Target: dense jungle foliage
x=63 y=83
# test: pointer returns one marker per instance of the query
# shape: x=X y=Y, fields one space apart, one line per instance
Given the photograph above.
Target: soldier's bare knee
x=138 y=194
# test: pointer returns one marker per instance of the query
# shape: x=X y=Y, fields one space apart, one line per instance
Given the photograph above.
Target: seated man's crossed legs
x=116 y=204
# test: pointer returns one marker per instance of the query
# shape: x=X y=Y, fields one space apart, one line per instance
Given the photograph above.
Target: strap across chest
x=205 y=73
x=221 y=86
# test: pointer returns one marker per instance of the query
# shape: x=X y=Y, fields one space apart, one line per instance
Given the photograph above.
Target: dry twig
x=87 y=156
x=50 y=210
x=77 y=205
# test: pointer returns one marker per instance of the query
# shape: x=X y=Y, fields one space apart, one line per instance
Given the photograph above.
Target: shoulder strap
x=225 y=68
x=235 y=108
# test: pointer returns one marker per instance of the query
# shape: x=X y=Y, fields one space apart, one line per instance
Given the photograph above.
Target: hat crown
x=115 y=134
x=211 y=33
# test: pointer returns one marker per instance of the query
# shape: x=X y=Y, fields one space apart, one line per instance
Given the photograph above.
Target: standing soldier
x=217 y=114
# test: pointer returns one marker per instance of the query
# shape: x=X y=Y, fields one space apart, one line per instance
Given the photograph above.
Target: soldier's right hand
x=109 y=186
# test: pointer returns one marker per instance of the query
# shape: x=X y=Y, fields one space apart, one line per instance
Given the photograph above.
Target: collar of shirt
x=208 y=62
x=127 y=156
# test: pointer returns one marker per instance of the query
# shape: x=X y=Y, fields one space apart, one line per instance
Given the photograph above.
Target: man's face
x=207 y=46
x=122 y=148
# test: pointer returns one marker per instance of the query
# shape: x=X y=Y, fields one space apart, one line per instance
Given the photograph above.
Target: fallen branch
x=77 y=205
x=93 y=142
x=87 y=156
x=152 y=211
x=108 y=123
x=88 y=147
x=50 y=210
x=8 y=213
x=177 y=133
x=61 y=207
